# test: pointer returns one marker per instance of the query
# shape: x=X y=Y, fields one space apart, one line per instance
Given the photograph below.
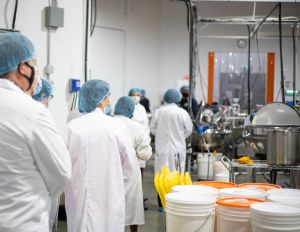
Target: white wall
x=138 y=23
x=66 y=46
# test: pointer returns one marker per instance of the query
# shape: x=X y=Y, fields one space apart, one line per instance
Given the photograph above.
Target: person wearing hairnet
x=100 y=149
x=184 y=102
x=45 y=94
x=35 y=164
x=145 y=101
x=170 y=125
x=134 y=209
x=140 y=116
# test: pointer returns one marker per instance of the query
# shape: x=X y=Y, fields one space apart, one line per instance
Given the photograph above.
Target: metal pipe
x=249 y=71
x=242 y=21
x=257 y=26
x=281 y=59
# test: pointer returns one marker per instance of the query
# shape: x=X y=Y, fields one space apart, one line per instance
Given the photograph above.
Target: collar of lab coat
x=98 y=110
x=8 y=84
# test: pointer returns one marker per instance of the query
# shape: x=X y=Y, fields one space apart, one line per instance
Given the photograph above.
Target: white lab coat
x=95 y=196
x=34 y=161
x=133 y=188
x=140 y=116
x=73 y=114
x=171 y=125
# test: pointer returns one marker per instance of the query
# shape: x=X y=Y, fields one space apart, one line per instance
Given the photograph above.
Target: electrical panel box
x=54 y=17
x=74 y=85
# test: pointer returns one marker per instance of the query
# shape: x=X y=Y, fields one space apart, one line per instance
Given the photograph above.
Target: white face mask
x=136 y=99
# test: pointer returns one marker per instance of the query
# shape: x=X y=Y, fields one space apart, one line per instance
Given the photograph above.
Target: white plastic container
x=274 y=217
x=243 y=192
x=233 y=214
x=196 y=189
x=286 y=200
x=189 y=212
x=285 y=192
x=205 y=163
x=222 y=176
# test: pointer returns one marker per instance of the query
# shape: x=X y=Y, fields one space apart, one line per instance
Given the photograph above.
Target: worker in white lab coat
x=35 y=164
x=170 y=125
x=140 y=116
x=134 y=210
x=99 y=149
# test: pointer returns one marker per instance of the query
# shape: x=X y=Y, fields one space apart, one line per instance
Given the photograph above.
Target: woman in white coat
x=140 y=116
x=134 y=210
x=35 y=164
x=99 y=149
x=170 y=125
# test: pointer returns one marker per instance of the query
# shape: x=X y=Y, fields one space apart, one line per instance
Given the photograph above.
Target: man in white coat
x=99 y=149
x=170 y=125
x=34 y=162
x=134 y=210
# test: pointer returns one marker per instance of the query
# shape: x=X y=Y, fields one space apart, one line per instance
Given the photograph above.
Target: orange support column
x=211 y=65
x=270 y=78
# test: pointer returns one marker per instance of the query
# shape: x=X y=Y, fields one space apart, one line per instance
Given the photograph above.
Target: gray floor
x=155 y=221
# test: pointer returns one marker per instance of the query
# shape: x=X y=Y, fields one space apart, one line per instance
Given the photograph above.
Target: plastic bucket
x=189 y=212
x=261 y=186
x=286 y=200
x=233 y=214
x=216 y=184
x=196 y=189
x=271 y=216
x=222 y=176
x=285 y=192
x=243 y=192
x=205 y=166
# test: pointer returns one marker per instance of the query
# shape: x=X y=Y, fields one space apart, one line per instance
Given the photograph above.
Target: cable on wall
x=15 y=14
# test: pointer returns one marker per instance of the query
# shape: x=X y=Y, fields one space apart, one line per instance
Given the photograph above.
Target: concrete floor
x=155 y=221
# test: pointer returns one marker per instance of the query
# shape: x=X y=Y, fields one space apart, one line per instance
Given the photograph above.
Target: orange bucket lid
x=217 y=184
x=261 y=186
x=238 y=202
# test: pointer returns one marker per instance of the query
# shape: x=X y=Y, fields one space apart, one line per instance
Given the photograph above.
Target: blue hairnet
x=125 y=106
x=91 y=94
x=172 y=96
x=143 y=92
x=184 y=88
x=14 y=49
x=46 y=91
x=134 y=90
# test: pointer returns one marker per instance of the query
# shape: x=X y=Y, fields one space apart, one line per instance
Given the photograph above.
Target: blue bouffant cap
x=125 y=106
x=134 y=90
x=91 y=94
x=46 y=91
x=14 y=49
x=172 y=96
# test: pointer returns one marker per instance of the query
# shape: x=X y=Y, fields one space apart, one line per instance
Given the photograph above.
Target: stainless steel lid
x=278 y=114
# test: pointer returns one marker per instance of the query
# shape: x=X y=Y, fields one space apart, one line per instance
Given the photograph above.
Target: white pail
x=243 y=192
x=196 y=189
x=271 y=216
x=233 y=214
x=286 y=200
x=205 y=163
x=189 y=212
x=285 y=192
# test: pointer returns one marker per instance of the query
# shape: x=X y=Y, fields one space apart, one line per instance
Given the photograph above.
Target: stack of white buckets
x=195 y=208
x=211 y=167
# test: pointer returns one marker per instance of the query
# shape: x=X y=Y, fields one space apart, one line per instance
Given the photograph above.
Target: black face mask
x=31 y=78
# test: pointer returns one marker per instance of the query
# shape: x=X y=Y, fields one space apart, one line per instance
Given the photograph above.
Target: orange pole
x=211 y=65
x=270 y=77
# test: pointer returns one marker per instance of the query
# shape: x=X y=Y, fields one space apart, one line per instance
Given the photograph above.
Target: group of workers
x=98 y=163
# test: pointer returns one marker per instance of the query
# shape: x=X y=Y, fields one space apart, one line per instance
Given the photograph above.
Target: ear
x=22 y=69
